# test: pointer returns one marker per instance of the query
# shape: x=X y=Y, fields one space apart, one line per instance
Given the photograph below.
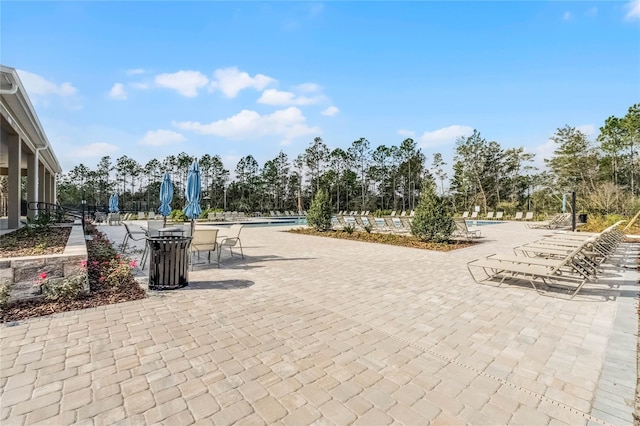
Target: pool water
x=483 y=222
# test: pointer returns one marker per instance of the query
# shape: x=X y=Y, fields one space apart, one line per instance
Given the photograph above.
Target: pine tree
x=432 y=221
x=319 y=214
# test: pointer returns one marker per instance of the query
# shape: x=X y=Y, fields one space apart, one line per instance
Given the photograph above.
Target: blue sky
x=150 y=79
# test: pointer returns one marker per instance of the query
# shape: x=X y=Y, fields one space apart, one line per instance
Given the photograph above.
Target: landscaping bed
x=34 y=242
x=390 y=239
x=110 y=281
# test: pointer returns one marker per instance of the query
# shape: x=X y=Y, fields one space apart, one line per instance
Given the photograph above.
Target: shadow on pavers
x=217 y=285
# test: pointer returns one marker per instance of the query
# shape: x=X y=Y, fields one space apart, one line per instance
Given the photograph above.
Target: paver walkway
x=308 y=329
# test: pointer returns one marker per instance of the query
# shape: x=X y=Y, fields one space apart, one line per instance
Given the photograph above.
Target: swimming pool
x=483 y=222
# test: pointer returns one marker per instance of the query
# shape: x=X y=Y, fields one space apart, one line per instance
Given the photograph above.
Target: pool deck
x=316 y=330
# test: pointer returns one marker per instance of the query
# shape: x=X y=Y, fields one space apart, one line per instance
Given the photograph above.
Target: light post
x=225 y=198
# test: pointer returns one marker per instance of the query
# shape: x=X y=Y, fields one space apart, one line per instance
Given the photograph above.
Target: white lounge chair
x=463 y=231
x=499 y=215
x=474 y=214
x=489 y=215
x=518 y=216
x=529 y=216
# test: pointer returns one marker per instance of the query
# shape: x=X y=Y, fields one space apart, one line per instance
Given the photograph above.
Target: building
x=24 y=152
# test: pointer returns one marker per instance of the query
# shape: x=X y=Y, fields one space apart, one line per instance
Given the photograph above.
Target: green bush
x=349 y=229
x=432 y=221
x=4 y=294
x=64 y=288
x=178 y=216
x=319 y=214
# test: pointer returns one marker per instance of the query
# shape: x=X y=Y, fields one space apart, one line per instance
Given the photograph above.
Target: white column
x=32 y=184
x=47 y=186
x=41 y=185
x=13 y=181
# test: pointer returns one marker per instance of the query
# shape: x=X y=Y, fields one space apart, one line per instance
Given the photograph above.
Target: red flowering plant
x=66 y=288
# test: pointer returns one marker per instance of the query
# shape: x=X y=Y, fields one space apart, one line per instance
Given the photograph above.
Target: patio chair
x=359 y=222
x=231 y=240
x=474 y=214
x=132 y=235
x=558 y=221
x=113 y=218
x=489 y=215
x=406 y=223
x=375 y=225
x=465 y=214
x=463 y=231
x=528 y=216
x=205 y=239
x=153 y=227
x=518 y=216
x=499 y=215
x=151 y=215
x=141 y=216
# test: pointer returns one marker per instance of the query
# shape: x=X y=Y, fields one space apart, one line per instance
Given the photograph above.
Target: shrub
x=432 y=221
x=4 y=293
x=319 y=214
x=178 y=216
x=349 y=229
x=64 y=288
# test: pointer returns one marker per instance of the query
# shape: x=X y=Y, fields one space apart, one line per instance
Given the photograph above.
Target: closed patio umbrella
x=113 y=204
x=192 y=193
x=166 y=195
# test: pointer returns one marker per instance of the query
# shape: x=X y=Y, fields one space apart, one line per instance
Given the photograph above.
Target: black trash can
x=168 y=262
x=582 y=218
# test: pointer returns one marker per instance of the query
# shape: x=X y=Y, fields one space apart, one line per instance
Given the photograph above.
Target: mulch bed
x=22 y=243
x=390 y=239
x=97 y=297
x=110 y=281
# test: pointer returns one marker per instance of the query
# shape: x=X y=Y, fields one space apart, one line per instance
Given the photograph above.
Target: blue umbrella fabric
x=113 y=204
x=192 y=192
x=166 y=195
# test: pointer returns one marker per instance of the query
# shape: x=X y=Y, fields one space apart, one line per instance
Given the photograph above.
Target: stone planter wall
x=23 y=272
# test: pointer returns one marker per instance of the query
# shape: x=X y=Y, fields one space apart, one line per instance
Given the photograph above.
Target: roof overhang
x=19 y=117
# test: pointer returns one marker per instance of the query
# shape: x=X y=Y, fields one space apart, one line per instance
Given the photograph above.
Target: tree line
x=603 y=173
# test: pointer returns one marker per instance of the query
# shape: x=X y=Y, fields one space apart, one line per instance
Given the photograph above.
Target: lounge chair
x=489 y=215
x=391 y=225
x=465 y=214
x=359 y=222
x=474 y=214
x=518 y=216
x=141 y=216
x=558 y=221
x=406 y=223
x=151 y=215
x=375 y=225
x=231 y=240
x=529 y=216
x=205 y=239
x=568 y=272
x=463 y=231
x=499 y=215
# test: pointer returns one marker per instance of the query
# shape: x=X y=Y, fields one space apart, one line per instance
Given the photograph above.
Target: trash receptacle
x=582 y=218
x=168 y=262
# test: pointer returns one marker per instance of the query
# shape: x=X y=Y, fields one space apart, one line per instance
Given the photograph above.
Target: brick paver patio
x=308 y=329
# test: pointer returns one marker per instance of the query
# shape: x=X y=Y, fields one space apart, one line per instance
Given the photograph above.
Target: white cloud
x=278 y=97
x=162 y=137
x=587 y=129
x=543 y=151
x=97 y=149
x=118 y=92
x=135 y=71
x=567 y=16
x=331 y=111
x=633 y=8
x=444 y=135
x=186 y=83
x=39 y=86
x=41 y=91
x=307 y=88
x=406 y=133
x=231 y=81
x=140 y=86
x=288 y=123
